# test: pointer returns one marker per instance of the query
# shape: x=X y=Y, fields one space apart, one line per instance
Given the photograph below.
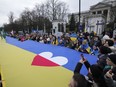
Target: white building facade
x=58 y=26
x=95 y=23
x=98 y=16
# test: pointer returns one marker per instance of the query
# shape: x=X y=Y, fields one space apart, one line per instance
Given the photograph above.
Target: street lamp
x=79 y=13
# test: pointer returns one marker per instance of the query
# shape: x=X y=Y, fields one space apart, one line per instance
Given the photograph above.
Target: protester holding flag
x=84 y=47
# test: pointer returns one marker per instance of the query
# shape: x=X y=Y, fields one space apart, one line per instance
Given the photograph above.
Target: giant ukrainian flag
x=32 y=64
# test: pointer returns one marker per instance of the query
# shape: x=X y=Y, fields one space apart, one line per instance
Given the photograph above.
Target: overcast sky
x=17 y=6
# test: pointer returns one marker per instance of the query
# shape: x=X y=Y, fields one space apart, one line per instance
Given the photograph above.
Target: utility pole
x=79 y=13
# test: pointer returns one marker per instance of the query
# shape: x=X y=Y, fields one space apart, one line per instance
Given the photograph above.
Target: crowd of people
x=101 y=74
x=83 y=42
x=98 y=75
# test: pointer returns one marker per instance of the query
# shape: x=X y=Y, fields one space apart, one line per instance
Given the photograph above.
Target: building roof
x=107 y=1
x=100 y=5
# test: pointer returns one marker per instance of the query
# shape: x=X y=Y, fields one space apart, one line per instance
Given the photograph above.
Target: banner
x=32 y=64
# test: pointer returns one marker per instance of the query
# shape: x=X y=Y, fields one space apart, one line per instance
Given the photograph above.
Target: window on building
x=62 y=27
x=93 y=13
x=53 y=30
x=105 y=12
x=58 y=27
x=99 y=12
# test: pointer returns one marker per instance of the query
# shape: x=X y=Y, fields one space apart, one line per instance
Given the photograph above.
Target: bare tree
x=40 y=17
x=11 y=17
x=26 y=18
x=42 y=10
x=37 y=9
x=56 y=9
x=62 y=11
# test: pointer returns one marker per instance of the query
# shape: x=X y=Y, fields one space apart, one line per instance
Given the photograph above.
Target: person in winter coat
x=84 y=47
x=110 y=44
x=111 y=74
x=78 y=80
x=95 y=74
x=103 y=53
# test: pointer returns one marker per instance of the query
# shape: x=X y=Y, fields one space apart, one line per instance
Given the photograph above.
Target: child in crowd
x=95 y=51
x=84 y=47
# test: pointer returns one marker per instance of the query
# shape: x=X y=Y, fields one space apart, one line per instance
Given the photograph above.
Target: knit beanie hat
x=112 y=58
